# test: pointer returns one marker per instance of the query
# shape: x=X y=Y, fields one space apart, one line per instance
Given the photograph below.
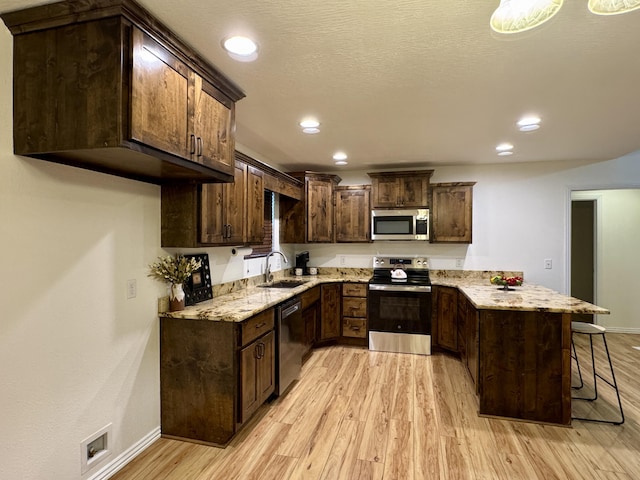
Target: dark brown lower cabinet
x=524 y=365
x=330 y=313
x=310 y=316
x=214 y=375
x=257 y=374
x=446 y=318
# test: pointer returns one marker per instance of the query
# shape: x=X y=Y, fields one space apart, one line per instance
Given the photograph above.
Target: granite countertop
x=528 y=298
x=238 y=304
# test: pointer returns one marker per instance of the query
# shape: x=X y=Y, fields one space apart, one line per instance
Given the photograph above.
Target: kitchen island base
x=524 y=368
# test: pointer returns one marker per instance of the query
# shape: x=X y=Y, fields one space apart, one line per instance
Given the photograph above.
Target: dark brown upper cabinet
x=452 y=212
x=102 y=85
x=309 y=220
x=352 y=213
x=400 y=189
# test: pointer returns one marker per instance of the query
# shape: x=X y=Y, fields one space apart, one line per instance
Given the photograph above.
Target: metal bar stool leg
x=591 y=330
x=574 y=355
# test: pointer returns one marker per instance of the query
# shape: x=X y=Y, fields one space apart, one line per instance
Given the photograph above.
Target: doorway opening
x=583 y=253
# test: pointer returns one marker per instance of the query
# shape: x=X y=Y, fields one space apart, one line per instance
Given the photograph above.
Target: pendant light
x=613 y=7
x=514 y=16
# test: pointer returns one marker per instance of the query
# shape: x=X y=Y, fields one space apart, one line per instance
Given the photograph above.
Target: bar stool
x=592 y=330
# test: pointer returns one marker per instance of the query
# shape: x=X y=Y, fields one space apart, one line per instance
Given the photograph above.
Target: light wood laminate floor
x=357 y=414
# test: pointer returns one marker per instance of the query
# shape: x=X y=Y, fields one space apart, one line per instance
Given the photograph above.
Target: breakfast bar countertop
x=529 y=298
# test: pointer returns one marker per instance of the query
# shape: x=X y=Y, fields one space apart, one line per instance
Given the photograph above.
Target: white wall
x=617 y=259
x=75 y=354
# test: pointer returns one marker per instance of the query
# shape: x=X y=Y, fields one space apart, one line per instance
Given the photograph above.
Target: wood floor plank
x=399 y=457
x=381 y=415
x=376 y=432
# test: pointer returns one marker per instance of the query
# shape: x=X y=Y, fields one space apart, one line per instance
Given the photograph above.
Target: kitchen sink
x=283 y=284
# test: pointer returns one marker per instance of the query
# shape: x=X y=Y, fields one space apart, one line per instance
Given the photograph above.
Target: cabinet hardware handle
x=260 y=325
x=354 y=328
x=256 y=352
x=193 y=144
x=199 y=142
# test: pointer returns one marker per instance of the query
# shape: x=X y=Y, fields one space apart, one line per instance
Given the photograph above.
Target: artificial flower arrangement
x=506 y=282
x=175 y=270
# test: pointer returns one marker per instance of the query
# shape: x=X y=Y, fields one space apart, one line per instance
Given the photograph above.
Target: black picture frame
x=198 y=288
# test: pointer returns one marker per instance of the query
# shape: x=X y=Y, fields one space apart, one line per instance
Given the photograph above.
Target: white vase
x=176 y=297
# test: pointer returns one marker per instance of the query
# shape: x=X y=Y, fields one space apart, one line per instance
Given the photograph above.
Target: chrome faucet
x=267 y=271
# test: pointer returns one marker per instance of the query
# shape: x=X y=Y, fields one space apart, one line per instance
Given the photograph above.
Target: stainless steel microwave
x=398 y=224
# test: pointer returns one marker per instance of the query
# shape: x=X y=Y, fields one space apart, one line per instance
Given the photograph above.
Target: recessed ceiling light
x=309 y=123
x=505 y=153
x=504 y=147
x=341 y=162
x=340 y=156
x=529 y=123
x=241 y=48
x=311 y=130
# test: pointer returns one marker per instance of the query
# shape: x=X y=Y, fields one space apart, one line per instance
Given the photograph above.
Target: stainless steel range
x=399 y=305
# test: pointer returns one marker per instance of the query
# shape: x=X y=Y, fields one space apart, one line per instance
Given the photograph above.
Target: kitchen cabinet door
x=257 y=374
x=353 y=213
x=175 y=110
x=451 y=212
x=214 y=120
x=319 y=211
x=309 y=220
x=160 y=87
x=447 y=318
x=400 y=189
x=255 y=205
x=330 y=312
x=222 y=214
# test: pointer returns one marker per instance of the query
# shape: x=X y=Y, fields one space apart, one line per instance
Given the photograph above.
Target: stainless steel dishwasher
x=290 y=343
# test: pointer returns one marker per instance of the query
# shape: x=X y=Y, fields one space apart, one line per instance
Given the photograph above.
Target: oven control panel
x=404 y=262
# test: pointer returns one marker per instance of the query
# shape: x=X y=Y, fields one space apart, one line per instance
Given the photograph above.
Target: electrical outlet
x=548 y=264
x=132 y=288
x=343 y=260
x=459 y=262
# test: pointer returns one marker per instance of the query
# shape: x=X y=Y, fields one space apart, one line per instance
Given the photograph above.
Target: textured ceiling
x=408 y=83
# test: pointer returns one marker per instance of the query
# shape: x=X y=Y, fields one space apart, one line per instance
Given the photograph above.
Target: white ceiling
x=407 y=83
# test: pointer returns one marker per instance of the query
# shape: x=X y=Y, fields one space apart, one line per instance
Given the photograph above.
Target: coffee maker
x=301 y=262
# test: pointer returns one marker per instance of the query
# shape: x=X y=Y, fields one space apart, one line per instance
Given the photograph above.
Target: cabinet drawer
x=354 y=307
x=354 y=289
x=256 y=326
x=354 y=327
x=310 y=297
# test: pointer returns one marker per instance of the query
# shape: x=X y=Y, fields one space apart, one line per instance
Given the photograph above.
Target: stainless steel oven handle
x=401 y=288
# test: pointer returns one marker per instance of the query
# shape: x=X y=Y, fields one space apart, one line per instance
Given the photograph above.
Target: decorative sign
x=198 y=288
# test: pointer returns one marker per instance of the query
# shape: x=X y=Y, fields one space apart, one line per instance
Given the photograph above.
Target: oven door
x=400 y=318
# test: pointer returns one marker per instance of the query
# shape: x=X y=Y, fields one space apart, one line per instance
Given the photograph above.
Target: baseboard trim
x=125 y=457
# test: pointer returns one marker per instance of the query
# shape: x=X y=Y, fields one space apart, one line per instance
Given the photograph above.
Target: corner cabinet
x=352 y=213
x=400 y=189
x=309 y=220
x=102 y=85
x=452 y=212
